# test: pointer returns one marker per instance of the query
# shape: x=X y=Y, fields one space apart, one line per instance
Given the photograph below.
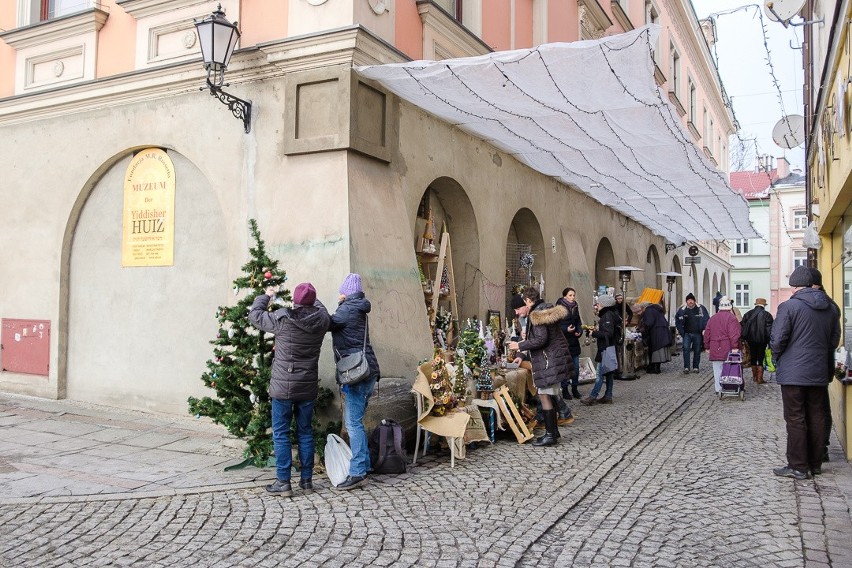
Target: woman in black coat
x=549 y=355
x=656 y=335
x=350 y=334
x=572 y=327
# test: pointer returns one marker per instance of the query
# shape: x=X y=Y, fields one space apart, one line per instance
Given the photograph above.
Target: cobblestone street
x=667 y=476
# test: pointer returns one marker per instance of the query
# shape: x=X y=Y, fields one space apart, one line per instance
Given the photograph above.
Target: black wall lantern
x=218 y=38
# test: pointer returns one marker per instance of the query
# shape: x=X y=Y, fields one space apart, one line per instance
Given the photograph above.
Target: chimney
x=783 y=167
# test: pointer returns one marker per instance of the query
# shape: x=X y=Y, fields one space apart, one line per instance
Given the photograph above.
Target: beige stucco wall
x=138 y=337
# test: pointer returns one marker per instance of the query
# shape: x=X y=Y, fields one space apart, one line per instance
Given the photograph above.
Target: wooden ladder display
x=512 y=416
x=445 y=258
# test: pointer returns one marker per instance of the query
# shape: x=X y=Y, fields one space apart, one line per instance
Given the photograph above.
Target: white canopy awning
x=589 y=114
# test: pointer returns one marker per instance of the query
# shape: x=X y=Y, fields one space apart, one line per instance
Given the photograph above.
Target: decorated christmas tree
x=241 y=367
x=441 y=385
x=472 y=344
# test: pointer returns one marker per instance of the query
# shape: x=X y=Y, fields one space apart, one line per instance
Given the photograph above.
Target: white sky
x=747 y=77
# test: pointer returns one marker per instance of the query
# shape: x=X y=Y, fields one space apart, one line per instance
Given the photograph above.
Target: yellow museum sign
x=148 y=235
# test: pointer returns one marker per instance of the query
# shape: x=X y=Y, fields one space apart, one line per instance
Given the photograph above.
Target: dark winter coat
x=655 y=327
x=299 y=332
x=804 y=336
x=691 y=320
x=722 y=335
x=573 y=318
x=348 y=324
x=609 y=329
x=548 y=348
x=757 y=326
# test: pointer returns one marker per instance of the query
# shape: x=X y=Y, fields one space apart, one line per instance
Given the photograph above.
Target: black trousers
x=804 y=413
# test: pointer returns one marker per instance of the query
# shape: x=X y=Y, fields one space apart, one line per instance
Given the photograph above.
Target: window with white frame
x=800 y=258
x=741 y=246
x=34 y=11
x=800 y=219
x=710 y=136
x=674 y=70
x=693 y=101
x=742 y=295
x=846 y=295
x=652 y=16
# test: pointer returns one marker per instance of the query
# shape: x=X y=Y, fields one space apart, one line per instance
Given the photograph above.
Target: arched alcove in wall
x=121 y=324
x=652 y=267
x=525 y=236
x=706 y=293
x=715 y=284
x=693 y=272
x=723 y=286
x=451 y=209
x=604 y=257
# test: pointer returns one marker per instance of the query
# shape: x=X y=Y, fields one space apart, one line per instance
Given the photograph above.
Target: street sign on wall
x=692 y=260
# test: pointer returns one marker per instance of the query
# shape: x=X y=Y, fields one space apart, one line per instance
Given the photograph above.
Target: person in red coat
x=721 y=336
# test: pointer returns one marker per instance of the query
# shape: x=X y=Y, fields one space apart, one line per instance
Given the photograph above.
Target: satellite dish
x=782 y=10
x=789 y=132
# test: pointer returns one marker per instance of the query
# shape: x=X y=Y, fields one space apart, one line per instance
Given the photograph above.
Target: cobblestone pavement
x=667 y=476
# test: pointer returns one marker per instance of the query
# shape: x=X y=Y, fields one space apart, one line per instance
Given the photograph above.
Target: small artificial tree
x=241 y=368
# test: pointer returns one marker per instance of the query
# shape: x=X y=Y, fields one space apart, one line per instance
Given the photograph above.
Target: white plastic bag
x=810 y=239
x=337 y=458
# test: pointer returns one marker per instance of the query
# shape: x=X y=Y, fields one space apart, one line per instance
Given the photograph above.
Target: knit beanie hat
x=725 y=303
x=801 y=277
x=517 y=302
x=351 y=284
x=690 y=296
x=305 y=294
x=606 y=301
x=816 y=275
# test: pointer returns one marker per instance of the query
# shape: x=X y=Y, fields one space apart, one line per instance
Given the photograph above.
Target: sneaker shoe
x=565 y=421
x=307 y=485
x=695 y=370
x=605 y=400
x=352 y=482
x=587 y=401
x=788 y=471
x=686 y=370
x=280 y=488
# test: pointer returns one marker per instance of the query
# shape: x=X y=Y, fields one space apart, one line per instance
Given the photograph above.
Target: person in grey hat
x=804 y=336
x=607 y=333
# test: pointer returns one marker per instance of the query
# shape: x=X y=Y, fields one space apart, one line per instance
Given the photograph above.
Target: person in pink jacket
x=721 y=336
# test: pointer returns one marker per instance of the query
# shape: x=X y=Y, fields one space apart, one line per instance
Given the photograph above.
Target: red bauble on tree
x=267 y=275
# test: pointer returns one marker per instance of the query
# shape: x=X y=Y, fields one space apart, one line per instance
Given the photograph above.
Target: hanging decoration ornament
x=231 y=333
x=267 y=275
x=527 y=260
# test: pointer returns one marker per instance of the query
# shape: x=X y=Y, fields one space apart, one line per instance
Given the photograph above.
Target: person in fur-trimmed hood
x=549 y=355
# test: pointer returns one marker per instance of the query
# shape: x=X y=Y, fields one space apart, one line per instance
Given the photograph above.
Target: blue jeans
x=599 y=383
x=691 y=344
x=282 y=415
x=357 y=396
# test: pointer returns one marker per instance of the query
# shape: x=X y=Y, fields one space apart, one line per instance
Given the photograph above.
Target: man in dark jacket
x=549 y=355
x=756 y=330
x=816 y=275
x=294 y=385
x=805 y=333
x=690 y=320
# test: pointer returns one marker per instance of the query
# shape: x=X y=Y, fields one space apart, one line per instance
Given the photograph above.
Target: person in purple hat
x=350 y=334
x=294 y=385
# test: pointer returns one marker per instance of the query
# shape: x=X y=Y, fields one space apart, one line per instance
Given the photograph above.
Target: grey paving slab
x=666 y=476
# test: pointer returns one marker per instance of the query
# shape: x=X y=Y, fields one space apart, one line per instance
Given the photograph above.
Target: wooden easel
x=512 y=416
x=445 y=258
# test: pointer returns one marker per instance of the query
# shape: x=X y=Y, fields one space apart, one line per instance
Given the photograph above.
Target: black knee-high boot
x=551 y=429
